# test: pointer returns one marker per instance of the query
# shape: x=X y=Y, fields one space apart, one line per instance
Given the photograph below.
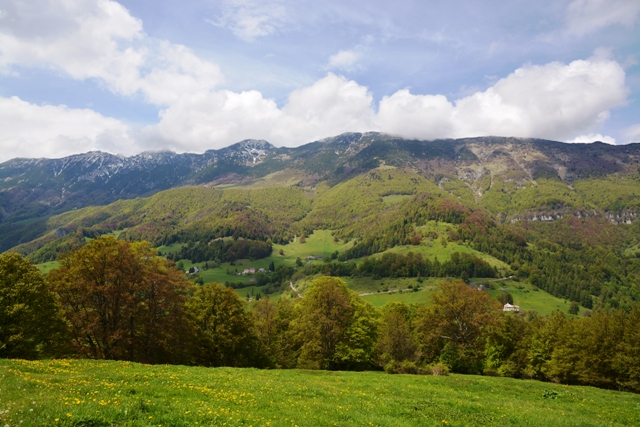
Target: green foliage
x=505 y=298
x=31 y=325
x=123 y=302
x=396 y=340
x=223 y=250
x=414 y=265
x=452 y=327
x=225 y=333
x=333 y=327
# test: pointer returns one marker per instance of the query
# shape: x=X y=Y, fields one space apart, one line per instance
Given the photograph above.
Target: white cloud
x=632 y=133
x=416 y=116
x=593 y=137
x=250 y=19
x=30 y=130
x=344 y=59
x=205 y=120
x=208 y=120
x=330 y=106
x=585 y=16
x=554 y=101
x=101 y=40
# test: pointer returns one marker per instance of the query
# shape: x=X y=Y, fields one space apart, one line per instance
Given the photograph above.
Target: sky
x=136 y=75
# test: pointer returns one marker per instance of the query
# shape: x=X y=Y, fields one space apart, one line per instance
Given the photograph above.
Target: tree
x=124 y=302
x=357 y=348
x=574 y=308
x=264 y=321
x=31 y=325
x=452 y=327
x=505 y=298
x=272 y=266
x=225 y=329
x=299 y=262
x=322 y=317
x=396 y=342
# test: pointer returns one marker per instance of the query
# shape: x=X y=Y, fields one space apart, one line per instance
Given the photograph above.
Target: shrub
x=438 y=368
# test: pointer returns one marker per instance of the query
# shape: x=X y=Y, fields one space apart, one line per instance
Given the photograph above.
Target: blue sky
x=130 y=76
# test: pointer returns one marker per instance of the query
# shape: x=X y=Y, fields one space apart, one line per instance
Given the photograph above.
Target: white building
x=509 y=307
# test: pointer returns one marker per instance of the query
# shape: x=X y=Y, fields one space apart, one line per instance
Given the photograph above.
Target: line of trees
x=223 y=251
x=117 y=300
x=410 y=265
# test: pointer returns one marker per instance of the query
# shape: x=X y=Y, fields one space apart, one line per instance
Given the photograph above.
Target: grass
x=106 y=393
x=396 y=198
x=528 y=298
x=46 y=267
x=408 y=297
x=321 y=243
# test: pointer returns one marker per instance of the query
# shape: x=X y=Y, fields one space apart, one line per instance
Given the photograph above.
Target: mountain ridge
x=36 y=188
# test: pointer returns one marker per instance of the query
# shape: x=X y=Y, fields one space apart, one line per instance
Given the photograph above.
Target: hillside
x=32 y=188
x=558 y=217
x=101 y=393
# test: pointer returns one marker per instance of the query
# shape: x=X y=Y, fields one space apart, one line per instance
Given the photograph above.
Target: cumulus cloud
x=215 y=119
x=100 y=40
x=585 y=16
x=554 y=101
x=416 y=116
x=58 y=131
x=250 y=19
x=593 y=137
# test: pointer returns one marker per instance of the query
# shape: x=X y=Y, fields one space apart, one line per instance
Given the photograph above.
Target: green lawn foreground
x=105 y=393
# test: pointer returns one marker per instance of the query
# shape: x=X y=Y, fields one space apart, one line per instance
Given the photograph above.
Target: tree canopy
x=123 y=302
x=31 y=325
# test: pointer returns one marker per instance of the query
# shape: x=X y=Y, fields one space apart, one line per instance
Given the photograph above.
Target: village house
x=509 y=307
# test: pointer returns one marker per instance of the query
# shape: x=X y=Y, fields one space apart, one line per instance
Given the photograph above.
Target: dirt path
x=294 y=289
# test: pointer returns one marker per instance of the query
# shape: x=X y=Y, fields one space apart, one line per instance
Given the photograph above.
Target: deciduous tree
x=31 y=325
x=396 y=341
x=225 y=328
x=123 y=302
x=452 y=326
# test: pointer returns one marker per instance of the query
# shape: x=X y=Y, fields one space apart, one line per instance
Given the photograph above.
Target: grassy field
x=527 y=297
x=104 y=393
x=321 y=243
x=46 y=267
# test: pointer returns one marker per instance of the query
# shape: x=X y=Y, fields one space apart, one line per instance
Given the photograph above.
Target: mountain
x=33 y=188
x=562 y=217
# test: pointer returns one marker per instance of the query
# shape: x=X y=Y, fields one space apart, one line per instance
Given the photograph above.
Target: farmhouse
x=509 y=307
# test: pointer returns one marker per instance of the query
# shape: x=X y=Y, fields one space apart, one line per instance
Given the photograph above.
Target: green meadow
x=380 y=291
x=46 y=267
x=529 y=297
x=106 y=393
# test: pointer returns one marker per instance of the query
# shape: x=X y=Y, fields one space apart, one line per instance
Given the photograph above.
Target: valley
x=537 y=210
